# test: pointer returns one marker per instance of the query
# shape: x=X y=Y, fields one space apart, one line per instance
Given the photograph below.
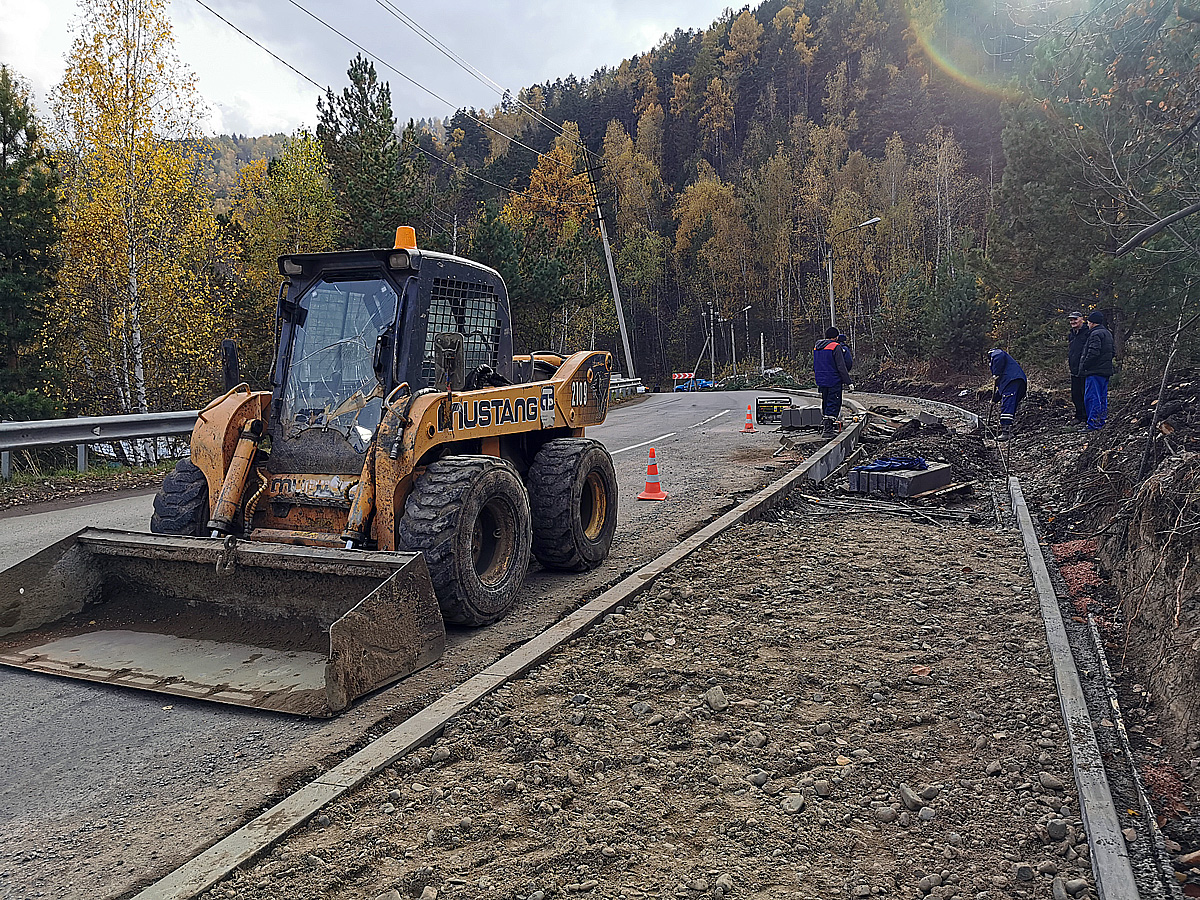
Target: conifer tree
x=28 y=184
x=374 y=176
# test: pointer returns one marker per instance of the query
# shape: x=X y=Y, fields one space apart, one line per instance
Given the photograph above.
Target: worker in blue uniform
x=1096 y=367
x=846 y=351
x=829 y=366
x=1009 y=389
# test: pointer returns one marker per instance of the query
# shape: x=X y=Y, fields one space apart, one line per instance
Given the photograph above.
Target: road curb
x=255 y=837
x=1110 y=859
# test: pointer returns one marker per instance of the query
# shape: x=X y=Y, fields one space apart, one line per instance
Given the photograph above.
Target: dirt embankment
x=823 y=706
x=1121 y=508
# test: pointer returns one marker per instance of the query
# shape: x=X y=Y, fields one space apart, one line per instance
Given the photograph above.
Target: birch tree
x=285 y=206
x=135 y=318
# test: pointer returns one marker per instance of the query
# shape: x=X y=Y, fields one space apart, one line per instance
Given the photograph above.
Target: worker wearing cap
x=829 y=367
x=1009 y=389
x=1096 y=367
x=1075 y=341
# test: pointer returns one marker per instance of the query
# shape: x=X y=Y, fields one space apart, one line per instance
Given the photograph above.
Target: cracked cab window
x=330 y=382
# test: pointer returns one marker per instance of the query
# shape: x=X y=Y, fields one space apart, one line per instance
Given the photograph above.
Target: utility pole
x=612 y=275
x=712 y=343
x=454 y=240
x=732 y=348
x=699 y=358
x=762 y=355
x=829 y=271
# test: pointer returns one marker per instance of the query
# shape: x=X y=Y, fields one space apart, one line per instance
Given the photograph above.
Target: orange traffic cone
x=749 y=422
x=653 y=489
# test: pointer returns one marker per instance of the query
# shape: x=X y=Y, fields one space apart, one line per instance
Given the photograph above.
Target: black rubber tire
x=573 y=498
x=469 y=516
x=181 y=506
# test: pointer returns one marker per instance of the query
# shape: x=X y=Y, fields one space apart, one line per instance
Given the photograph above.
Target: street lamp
x=829 y=260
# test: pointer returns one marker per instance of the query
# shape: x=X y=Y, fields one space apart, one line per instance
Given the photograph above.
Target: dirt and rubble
x=673 y=799
x=817 y=706
x=1119 y=509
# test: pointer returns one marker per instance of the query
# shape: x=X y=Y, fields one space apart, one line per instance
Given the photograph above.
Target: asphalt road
x=102 y=789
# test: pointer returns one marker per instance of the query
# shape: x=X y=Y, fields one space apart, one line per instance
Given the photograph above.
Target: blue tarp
x=888 y=463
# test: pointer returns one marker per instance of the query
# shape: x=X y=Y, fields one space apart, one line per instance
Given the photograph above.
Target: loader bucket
x=293 y=629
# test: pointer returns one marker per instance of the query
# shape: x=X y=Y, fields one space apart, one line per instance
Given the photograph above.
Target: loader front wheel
x=469 y=516
x=181 y=506
x=573 y=498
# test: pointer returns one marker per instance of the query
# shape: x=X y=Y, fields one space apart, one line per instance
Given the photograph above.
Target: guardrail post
x=81 y=460
x=6 y=465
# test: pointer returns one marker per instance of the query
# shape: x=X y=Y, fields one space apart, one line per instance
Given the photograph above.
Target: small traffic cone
x=653 y=489
x=749 y=422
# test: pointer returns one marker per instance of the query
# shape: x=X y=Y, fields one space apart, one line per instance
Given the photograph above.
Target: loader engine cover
x=293 y=629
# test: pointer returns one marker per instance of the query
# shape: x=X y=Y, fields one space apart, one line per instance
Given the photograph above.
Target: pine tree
x=374 y=177
x=28 y=184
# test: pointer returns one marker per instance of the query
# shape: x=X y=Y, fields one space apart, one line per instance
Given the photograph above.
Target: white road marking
x=644 y=443
x=710 y=418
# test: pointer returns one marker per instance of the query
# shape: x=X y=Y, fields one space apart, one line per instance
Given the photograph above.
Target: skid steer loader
x=398 y=475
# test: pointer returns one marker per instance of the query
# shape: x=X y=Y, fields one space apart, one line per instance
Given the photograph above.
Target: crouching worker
x=1009 y=389
x=829 y=366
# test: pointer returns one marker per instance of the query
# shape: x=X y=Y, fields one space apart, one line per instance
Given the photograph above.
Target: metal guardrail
x=88 y=430
x=105 y=429
x=619 y=388
x=94 y=429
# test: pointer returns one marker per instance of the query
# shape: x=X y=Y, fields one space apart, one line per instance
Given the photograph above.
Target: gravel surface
x=857 y=706
x=103 y=789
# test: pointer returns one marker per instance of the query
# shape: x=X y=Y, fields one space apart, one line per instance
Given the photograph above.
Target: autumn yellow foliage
x=137 y=318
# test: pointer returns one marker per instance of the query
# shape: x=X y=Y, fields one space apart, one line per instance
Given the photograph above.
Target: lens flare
x=983 y=44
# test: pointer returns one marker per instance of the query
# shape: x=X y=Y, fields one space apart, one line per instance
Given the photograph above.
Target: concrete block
x=936 y=476
x=801 y=417
x=902 y=482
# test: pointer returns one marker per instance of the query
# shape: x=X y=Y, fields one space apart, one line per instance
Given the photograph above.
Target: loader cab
x=354 y=325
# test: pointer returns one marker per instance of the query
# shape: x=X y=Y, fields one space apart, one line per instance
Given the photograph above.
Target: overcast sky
x=514 y=42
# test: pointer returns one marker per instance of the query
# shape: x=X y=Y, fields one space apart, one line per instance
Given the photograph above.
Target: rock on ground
x=886 y=725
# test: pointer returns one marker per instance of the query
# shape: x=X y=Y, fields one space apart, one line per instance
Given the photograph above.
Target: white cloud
x=515 y=42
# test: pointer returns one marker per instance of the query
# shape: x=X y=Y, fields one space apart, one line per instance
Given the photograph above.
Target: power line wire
x=510 y=190
x=403 y=139
x=272 y=54
x=418 y=84
x=473 y=70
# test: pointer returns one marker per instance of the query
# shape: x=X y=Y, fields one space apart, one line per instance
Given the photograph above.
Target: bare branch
x=1150 y=230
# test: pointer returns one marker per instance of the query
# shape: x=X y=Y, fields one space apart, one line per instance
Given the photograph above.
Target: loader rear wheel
x=469 y=516
x=573 y=498
x=181 y=506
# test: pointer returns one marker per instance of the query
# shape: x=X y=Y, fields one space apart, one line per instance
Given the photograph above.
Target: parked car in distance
x=694 y=384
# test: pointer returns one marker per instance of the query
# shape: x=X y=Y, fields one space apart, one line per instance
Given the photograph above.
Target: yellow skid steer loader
x=398 y=475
